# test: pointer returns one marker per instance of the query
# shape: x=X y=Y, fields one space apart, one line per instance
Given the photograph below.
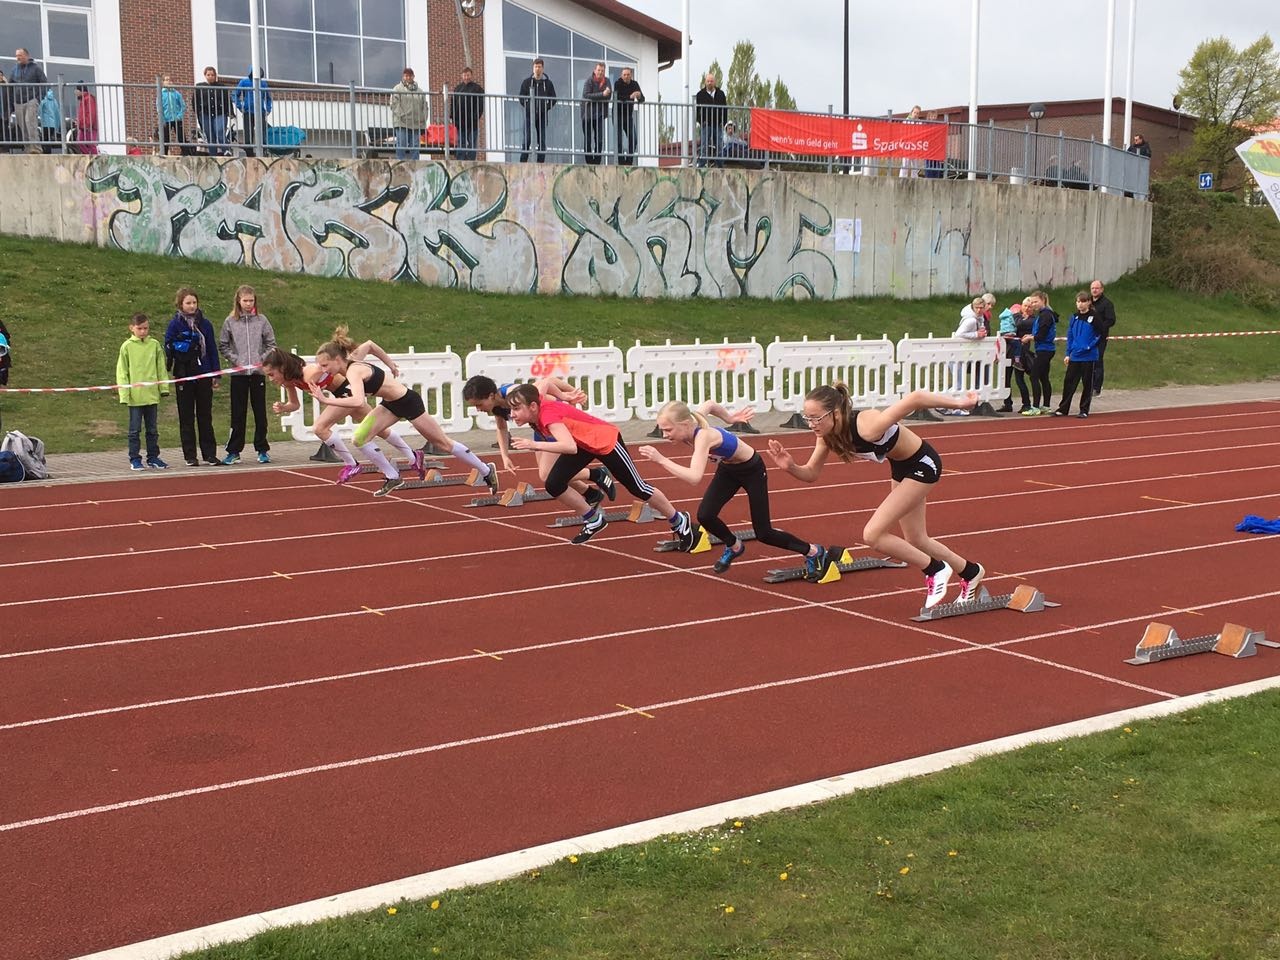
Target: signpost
x=1206 y=181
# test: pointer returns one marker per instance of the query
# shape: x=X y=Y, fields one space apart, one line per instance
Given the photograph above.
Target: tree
x=745 y=88
x=1232 y=92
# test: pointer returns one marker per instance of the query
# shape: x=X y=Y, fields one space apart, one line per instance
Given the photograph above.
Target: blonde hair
x=679 y=412
x=241 y=291
x=340 y=345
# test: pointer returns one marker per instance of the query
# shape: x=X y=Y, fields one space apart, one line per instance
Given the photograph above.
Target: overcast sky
x=917 y=51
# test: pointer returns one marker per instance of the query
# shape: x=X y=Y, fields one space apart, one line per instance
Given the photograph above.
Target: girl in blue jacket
x=1045 y=331
x=1082 y=353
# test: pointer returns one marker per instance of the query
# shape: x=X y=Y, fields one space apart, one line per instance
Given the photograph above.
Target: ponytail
x=836 y=399
x=342 y=337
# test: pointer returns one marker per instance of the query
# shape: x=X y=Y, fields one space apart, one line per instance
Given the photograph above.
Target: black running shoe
x=492 y=479
x=816 y=566
x=591 y=527
x=684 y=532
x=604 y=480
x=388 y=485
x=593 y=496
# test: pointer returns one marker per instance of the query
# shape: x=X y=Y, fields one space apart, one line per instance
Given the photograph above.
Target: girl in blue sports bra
x=738 y=466
x=913 y=464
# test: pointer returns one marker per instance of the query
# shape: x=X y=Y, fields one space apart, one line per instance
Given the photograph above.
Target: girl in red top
x=287 y=371
x=580 y=438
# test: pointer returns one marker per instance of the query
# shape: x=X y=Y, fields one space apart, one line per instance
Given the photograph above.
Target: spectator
x=734 y=150
x=86 y=120
x=172 y=109
x=1081 y=352
x=1140 y=146
x=1105 y=313
x=596 y=94
x=408 y=116
x=246 y=103
x=710 y=113
x=1044 y=331
x=142 y=361
x=934 y=169
x=8 y=133
x=1025 y=329
x=28 y=82
x=466 y=107
x=538 y=95
x=972 y=324
x=190 y=350
x=1010 y=317
x=51 y=124
x=214 y=110
x=6 y=355
x=911 y=166
x=246 y=338
x=627 y=92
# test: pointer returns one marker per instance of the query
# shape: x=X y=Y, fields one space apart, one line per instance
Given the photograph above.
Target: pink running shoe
x=347 y=472
x=420 y=463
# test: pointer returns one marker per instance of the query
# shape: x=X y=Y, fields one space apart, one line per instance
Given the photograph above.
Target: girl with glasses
x=914 y=466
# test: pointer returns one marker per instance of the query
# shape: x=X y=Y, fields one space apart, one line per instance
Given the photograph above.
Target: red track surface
x=146 y=653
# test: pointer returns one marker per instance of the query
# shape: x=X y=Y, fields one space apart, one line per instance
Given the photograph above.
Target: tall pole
x=255 y=88
x=462 y=30
x=1107 y=91
x=973 y=91
x=1128 y=83
x=846 y=57
x=686 y=126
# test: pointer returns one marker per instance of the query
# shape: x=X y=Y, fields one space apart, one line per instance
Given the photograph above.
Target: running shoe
x=1031 y=412
x=136 y=464
x=1059 y=413
x=1045 y=410
x=684 y=531
x=603 y=479
x=155 y=463
x=192 y=462
x=1082 y=416
x=263 y=457
x=593 y=496
x=492 y=479
x=419 y=463
x=936 y=587
x=815 y=565
x=230 y=458
x=348 y=472
x=729 y=555
x=391 y=483
x=591 y=527
x=969 y=588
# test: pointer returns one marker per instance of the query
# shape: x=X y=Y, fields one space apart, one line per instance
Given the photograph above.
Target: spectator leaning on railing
x=627 y=92
x=408 y=115
x=596 y=94
x=712 y=108
x=27 y=86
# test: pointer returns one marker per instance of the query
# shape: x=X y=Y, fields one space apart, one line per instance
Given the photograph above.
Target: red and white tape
x=1188 y=336
x=130 y=386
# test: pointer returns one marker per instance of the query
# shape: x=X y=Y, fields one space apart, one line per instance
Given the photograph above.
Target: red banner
x=778 y=131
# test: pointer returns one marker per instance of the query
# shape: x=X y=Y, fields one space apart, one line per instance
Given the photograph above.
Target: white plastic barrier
x=596 y=371
x=867 y=367
x=437 y=376
x=732 y=374
x=953 y=366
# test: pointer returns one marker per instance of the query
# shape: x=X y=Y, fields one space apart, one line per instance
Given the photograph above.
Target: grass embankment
x=68 y=306
x=1156 y=840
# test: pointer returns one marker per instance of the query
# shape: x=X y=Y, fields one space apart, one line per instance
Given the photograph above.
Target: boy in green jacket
x=141 y=361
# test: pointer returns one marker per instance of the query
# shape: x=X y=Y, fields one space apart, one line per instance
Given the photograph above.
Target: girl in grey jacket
x=245 y=339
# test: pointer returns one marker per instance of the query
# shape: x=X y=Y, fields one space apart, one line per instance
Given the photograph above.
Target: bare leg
x=905 y=507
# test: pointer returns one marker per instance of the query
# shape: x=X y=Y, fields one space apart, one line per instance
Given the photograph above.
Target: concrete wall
x=579 y=229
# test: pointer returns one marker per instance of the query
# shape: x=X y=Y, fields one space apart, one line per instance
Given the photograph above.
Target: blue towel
x=1252 y=524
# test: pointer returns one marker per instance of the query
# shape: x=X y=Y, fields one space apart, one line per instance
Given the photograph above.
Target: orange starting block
x=1161 y=642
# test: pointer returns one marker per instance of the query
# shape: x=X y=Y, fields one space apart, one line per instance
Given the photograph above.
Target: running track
x=309 y=690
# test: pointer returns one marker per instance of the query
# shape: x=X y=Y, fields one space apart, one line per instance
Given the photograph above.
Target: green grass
x=67 y=307
x=1158 y=840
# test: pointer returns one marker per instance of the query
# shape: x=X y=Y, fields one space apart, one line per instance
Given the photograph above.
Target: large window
x=315 y=41
x=58 y=35
x=569 y=57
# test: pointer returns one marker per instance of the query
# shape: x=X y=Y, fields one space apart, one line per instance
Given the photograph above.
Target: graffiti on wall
x=369 y=220
x=685 y=233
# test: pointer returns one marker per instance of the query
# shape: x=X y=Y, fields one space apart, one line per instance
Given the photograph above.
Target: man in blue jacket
x=246 y=104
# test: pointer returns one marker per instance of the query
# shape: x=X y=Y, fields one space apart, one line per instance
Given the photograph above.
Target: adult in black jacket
x=1104 y=312
x=711 y=114
x=466 y=107
x=538 y=94
x=596 y=94
x=213 y=108
x=627 y=92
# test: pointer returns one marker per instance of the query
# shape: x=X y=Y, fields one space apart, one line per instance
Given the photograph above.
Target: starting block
x=846 y=564
x=640 y=512
x=1161 y=642
x=404 y=466
x=435 y=478
x=1025 y=599
x=517 y=496
x=702 y=543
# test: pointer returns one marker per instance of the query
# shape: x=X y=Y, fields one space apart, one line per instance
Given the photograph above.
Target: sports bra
x=724 y=448
x=373 y=382
x=876 y=450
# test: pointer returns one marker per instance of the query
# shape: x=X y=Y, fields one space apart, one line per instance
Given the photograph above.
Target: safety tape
x=130 y=386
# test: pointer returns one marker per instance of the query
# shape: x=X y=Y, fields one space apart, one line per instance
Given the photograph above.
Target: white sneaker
x=969 y=589
x=936 y=587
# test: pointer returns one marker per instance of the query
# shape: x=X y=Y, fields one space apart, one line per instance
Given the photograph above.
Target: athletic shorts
x=924 y=467
x=408 y=407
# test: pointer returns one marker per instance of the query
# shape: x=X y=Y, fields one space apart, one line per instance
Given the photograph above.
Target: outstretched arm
x=561 y=390
x=873 y=423
x=807 y=472
x=355 y=382
x=697 y=463
x=563 y=442
x=712 y=409
x=368 y=347
x=289 y=405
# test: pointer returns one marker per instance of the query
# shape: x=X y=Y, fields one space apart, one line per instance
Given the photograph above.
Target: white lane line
x=507 y=865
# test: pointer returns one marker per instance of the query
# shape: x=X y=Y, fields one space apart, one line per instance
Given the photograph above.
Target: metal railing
x=356 y=122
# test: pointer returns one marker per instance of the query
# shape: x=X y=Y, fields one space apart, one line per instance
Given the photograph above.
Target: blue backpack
x=11 y=470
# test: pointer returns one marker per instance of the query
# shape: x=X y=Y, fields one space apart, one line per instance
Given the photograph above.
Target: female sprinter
x=287 y=371
x=488 y=397
x=913 y=464
x=738 y=466
x=578 y=438
x=398 y=403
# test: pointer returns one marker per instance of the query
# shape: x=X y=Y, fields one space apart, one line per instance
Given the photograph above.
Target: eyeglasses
x=814 y=421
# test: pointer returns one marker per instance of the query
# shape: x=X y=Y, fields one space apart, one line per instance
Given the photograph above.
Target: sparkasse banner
x=1262 y=156
x=807 y=133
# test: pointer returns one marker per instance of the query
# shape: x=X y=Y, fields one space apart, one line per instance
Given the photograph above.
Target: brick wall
x=444 y=48
x=155 y=39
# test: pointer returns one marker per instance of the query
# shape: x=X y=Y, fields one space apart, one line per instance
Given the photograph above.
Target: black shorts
x=408 y=407
x=924 y=467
